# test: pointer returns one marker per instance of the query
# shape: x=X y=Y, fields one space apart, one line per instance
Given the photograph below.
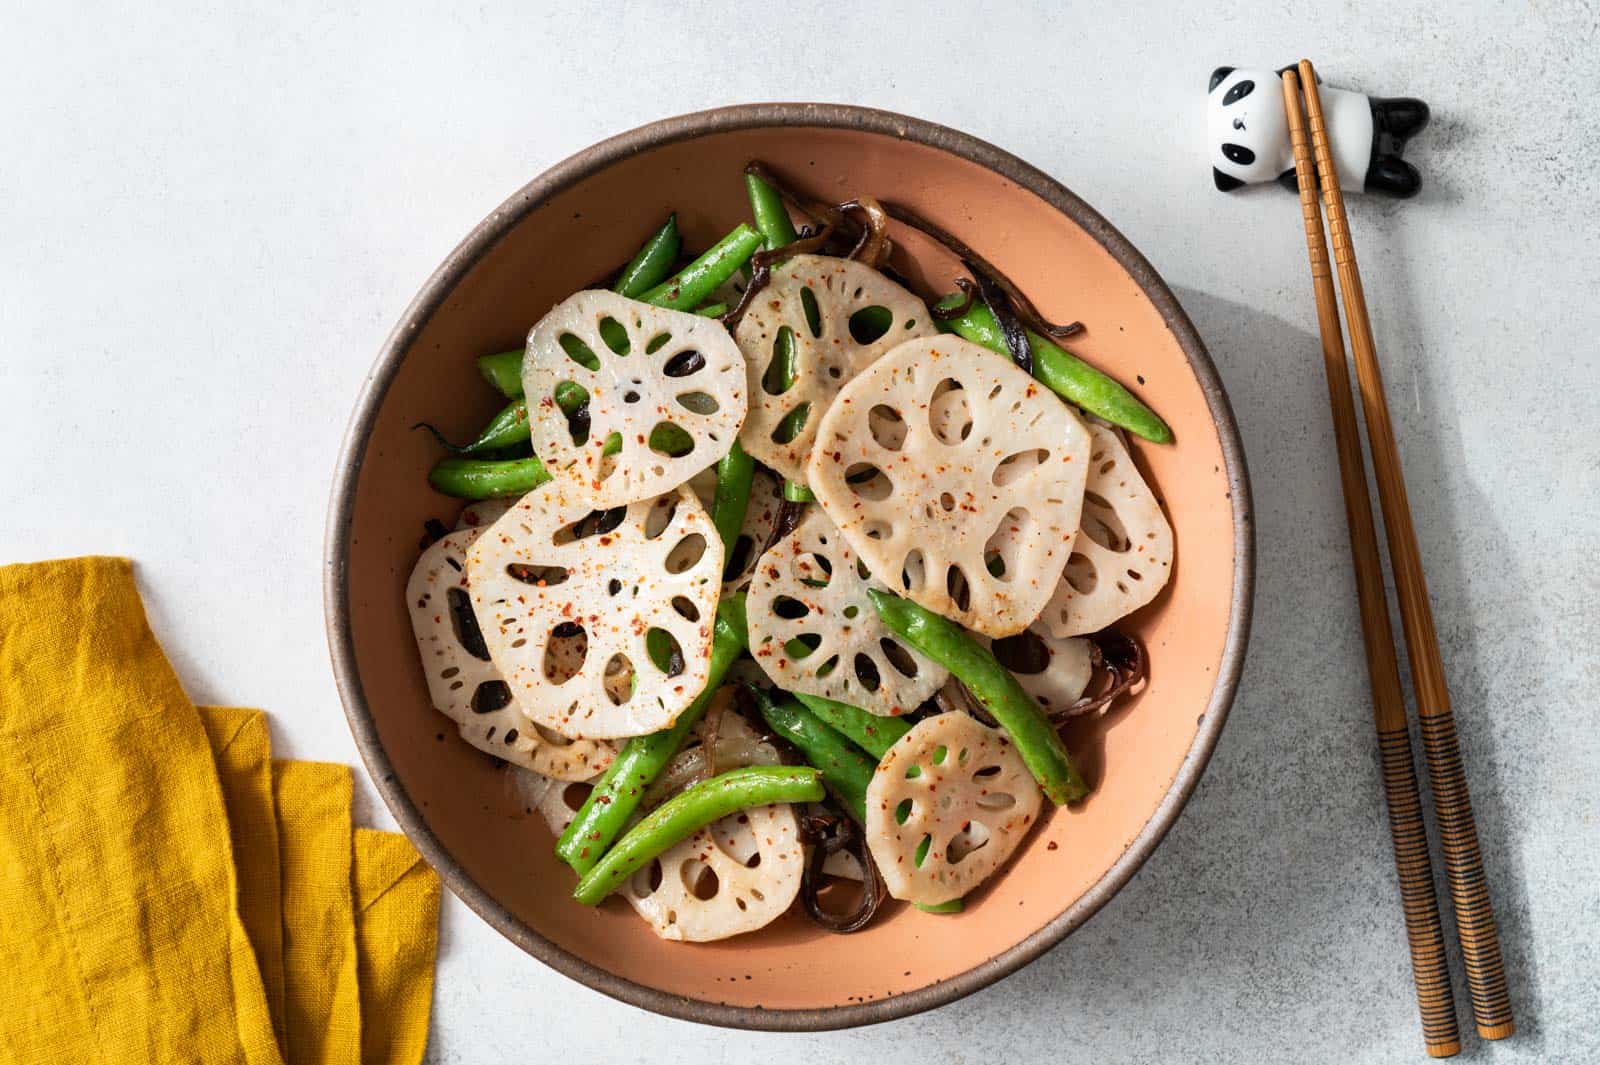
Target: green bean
x=617 y=794
x=649 y=267
x=487 y=478
x=845 y=769
x=509 y=428
x=523 y=450
x=690 y=810
x=653 y=263
x=735 y=473
x=796 y=492
x=570 y=397
x=871 y=733
x=1064 y=374
x=506 y=429
x=870 y=324
x=955 y=905
x=993 y=685
x=503 y=370
x=772 y=217
x=780 y=372
x=791 y=424
x=668 y=439
x=658 y=644
x=697 y=280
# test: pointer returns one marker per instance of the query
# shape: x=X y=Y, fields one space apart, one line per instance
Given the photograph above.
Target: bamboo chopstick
x=1424 y=932
x=1469 y=888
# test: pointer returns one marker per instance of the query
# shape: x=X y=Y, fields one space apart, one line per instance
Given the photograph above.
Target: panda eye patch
x=1238 y=92
x=1238 y=153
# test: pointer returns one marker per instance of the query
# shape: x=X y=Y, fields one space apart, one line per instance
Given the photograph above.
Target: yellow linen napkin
x=242 y=749
x=151 y=857
x=121 y=939
x=319 y=927
x=396 y=895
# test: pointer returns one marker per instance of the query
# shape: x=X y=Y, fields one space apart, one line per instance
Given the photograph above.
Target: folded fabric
x=242 y=750
x=319 y=927
x=167 y=891
x=397 y=894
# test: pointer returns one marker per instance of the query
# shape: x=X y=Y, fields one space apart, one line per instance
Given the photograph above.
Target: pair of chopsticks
x=1469 y=890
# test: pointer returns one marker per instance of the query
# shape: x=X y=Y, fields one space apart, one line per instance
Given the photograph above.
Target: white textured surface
x=210 y=217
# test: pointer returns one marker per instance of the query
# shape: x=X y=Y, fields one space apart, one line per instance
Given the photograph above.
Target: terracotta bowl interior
x=502 y=857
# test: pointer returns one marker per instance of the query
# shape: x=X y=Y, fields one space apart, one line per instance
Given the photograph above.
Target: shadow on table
x=1430 y=435
x=1274 y=901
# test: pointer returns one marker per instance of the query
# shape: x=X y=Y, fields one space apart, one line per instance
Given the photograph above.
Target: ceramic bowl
x=575 y=223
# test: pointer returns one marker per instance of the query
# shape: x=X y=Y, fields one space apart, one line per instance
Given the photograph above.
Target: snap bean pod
x=503 y=371
x=735 y=474
x=845 y=769
x=695 y=282
x=955 y=905
x=871 y=733
x=1064 y=373
x=690 y=810
x=772 y=217
x=468 y=478
x=993 y=685
x=653 y=262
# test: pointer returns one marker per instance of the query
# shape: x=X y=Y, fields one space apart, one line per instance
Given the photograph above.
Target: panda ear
x=1225 y=182
x=1217 y=76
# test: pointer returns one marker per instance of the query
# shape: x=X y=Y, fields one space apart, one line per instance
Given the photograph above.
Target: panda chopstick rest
x=1248 y=135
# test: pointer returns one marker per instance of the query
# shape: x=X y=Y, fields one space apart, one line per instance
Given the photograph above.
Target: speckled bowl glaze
x=575 y=223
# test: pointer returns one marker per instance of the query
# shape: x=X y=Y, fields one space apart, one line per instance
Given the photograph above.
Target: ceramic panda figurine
x=1249 y=135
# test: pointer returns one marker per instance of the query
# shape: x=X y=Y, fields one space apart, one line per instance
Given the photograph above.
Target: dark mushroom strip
x=789 y=514
x=983 y=269
x=1121 y=659
x=1011 y=326
x=826 y=215
x=833 y=835
x=953 y=697
x=435 y=530
x=713 y=728
x=873 y=247
x=969 y=290
x=811 y=241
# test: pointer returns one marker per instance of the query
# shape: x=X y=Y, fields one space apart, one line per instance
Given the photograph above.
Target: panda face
x=1248 y=135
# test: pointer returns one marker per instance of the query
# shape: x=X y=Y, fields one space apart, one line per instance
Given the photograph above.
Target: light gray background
x=210 y=218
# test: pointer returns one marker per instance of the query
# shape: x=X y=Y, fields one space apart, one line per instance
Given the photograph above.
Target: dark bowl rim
x=436 y=291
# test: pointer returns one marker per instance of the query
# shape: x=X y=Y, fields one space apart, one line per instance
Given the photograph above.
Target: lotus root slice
x=948 y=805
x=958 y=479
